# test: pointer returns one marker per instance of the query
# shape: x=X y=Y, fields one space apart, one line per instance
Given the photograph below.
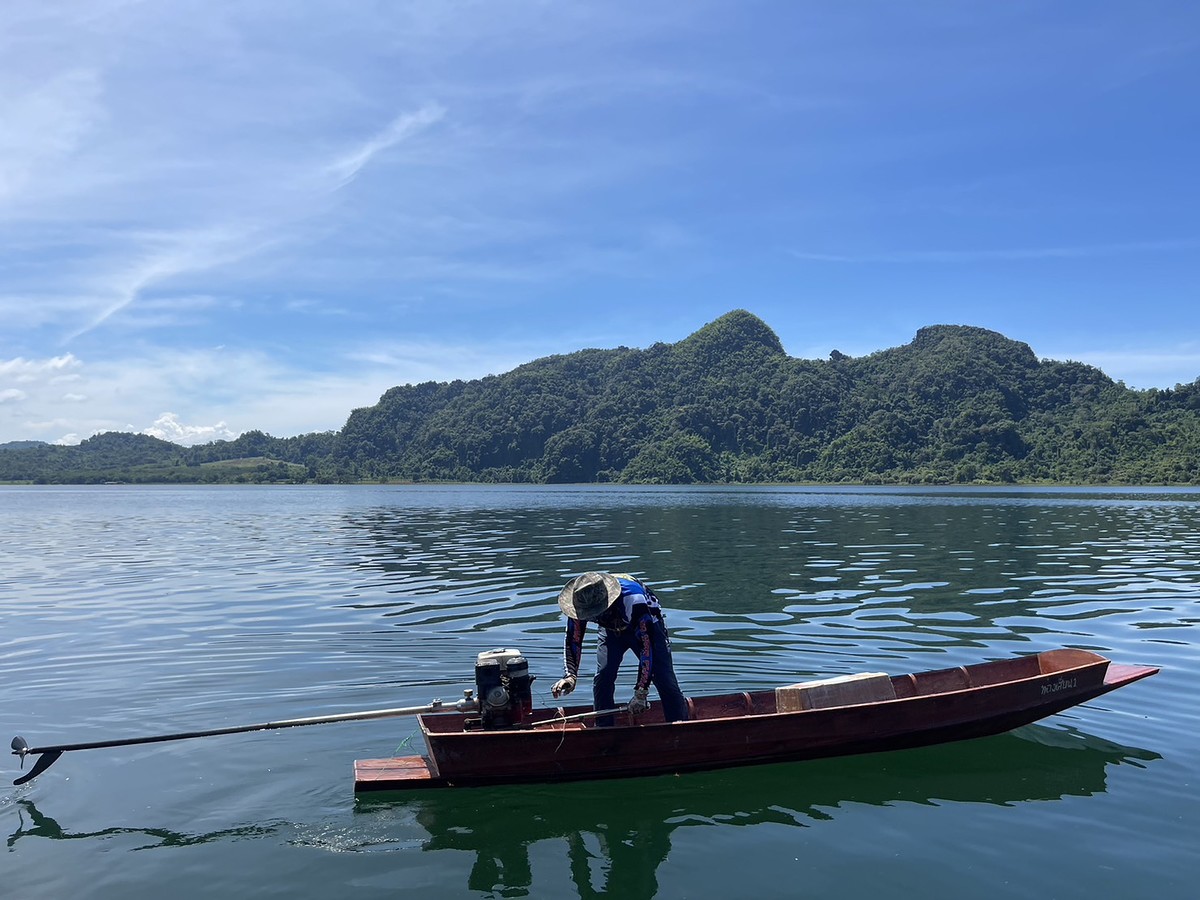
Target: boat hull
x=745 y=729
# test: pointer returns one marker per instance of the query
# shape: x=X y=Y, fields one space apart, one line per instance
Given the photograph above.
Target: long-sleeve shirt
x=634 y=612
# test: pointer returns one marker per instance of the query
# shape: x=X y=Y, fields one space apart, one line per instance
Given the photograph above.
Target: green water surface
x=140 y=610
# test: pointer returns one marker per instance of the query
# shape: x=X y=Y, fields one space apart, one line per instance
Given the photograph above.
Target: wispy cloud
x=130 y=261
x=412 y=361
x=166 y=256
x=403 y=127
x=43 y=127
x=174 y=178
x=974 y=256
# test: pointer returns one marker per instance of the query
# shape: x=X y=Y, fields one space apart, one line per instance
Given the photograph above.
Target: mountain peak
x=948 y=338
x=735 y=331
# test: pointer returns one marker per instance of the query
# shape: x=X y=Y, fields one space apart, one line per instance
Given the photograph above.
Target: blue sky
x=219 y=216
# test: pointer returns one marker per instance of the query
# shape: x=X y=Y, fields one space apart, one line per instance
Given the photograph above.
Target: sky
x=224 y=216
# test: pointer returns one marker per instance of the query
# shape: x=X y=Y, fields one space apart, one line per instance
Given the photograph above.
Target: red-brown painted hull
x=744 y=728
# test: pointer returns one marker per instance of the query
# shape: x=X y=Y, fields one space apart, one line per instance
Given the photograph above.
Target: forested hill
x=727 y=404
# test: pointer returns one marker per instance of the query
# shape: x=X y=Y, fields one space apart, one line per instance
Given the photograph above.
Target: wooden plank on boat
x=842 y=690
x=397 y=774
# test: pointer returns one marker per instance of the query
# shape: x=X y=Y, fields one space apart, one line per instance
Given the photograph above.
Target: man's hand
x=563 y=686
x=639 y=704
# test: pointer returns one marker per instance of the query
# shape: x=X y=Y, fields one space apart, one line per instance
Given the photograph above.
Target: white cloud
x=198 y=396
x=404 y=126
x=177 y=173
x=167 y=427
x=34 y=370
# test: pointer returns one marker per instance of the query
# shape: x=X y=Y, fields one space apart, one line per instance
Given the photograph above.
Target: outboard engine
x=505 y=688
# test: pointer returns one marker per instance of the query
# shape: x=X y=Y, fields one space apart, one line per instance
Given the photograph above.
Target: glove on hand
x=563 y=686
x=639 y=703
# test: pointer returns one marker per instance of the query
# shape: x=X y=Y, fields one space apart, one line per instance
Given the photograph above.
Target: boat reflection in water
x=620 y=831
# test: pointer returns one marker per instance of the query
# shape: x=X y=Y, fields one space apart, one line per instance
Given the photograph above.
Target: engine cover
x=504 y=685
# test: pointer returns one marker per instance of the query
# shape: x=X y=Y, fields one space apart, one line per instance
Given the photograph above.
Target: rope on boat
x=405 y=744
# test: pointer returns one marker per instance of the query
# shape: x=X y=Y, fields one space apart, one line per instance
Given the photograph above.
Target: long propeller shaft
x=49 y=754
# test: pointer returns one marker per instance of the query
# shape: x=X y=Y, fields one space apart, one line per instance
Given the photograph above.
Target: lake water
x=128 y=611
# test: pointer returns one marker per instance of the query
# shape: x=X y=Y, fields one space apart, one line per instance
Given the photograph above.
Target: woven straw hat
x=589 y=594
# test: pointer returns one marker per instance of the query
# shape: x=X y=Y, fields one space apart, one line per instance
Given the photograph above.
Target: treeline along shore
x=956 y=405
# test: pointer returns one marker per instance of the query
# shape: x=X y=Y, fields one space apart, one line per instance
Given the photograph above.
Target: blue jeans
x=609 y=653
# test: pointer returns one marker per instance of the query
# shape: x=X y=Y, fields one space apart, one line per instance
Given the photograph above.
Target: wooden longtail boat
x=749 y=728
